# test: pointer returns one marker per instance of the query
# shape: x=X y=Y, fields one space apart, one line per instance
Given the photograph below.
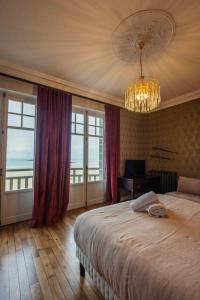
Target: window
x=88 y=141
x=95 y=148
x=77 y=148
x=20 y=145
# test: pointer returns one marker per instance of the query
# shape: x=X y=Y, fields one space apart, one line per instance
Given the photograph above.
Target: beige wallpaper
x=133 y=143
x=176 y=129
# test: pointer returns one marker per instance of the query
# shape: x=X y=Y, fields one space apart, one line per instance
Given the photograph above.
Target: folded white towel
x=143 y=202
x=157 y=210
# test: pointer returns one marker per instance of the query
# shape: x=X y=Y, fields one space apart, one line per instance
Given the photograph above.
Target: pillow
x=189 y=185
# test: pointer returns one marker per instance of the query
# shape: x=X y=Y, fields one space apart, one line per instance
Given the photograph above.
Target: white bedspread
x=144 y=258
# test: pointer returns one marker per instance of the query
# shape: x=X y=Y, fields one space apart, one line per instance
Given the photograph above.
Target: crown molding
x=195 y=95
x=37 y=77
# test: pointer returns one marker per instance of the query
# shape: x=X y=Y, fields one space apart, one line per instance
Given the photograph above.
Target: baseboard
x=15 y=219
x=95 y=201
x=81 y=204
x=75 y=205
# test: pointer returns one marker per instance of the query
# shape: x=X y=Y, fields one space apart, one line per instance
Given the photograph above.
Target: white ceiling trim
x=55 y=82
x=71 y=87
x=195 y=95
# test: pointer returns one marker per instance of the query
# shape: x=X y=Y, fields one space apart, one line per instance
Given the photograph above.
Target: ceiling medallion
x=154 y=30
x=155 y=27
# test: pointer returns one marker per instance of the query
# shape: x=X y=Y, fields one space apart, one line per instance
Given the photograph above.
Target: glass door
x=87 y=158
x=78 y=158
x=95 y=163
x=18 y=159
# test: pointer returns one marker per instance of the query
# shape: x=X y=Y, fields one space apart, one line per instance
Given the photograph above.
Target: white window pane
x=101 y=121
x=91 y=130
x=73 y=117
x=101 y=131
x=73 y=128
x=20 y=149
x=28 y=122
x=95 y=158
x=93 y=152
x=77 y=156
x=20 y=153
x=80 y=118
x=29 y=109
x=14 y=120
x=79 y=129
x=91 y=120
x=97 y=122
x=97 y=131
x=14 y=106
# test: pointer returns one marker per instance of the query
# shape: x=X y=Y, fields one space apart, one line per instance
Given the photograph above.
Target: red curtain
x=52 y=156
x=112 y=151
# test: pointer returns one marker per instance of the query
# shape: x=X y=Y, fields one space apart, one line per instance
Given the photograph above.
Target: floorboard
x=41 y=263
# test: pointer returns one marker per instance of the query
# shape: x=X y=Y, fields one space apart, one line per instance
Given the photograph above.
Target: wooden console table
x=137 y=186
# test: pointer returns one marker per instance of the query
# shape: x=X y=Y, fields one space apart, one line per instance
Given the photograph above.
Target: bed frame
x=98 y=280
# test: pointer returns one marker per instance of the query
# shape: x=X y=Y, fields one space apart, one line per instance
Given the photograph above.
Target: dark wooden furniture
x=82 y=270
x=135 y=187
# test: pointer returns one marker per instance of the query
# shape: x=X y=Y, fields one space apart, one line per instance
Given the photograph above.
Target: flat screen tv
x=134 y=168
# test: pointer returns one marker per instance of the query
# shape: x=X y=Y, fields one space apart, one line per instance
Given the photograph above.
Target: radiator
x=168 y=180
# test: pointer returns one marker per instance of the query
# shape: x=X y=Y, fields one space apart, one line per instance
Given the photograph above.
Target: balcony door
x=87 y=158
x=17 y=158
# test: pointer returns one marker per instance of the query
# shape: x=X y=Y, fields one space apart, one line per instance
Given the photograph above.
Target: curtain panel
x=112 y=151
x=52 y=156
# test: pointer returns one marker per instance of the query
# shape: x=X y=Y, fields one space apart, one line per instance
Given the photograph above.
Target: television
x=134 y=168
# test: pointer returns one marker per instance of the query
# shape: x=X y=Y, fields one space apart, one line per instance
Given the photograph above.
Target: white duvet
x=144 y=258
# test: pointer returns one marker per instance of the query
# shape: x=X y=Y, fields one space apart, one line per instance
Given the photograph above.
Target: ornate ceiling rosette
x=155 y=27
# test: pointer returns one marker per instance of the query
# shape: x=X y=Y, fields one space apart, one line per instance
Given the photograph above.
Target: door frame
x=85 y=111
x=20 y=217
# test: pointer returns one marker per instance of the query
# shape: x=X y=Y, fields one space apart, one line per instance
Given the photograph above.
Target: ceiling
x=72 y=40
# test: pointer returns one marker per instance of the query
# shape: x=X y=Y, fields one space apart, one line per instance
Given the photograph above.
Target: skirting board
x=28 y=216
x=15 y=219
x=81 y=204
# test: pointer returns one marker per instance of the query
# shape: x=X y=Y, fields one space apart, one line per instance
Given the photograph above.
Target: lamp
x=144 y=94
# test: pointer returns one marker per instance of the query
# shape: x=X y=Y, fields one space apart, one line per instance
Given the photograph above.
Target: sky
x=20 y=143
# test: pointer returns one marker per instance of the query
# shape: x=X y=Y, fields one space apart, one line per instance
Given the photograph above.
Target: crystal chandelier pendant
x=144 y=94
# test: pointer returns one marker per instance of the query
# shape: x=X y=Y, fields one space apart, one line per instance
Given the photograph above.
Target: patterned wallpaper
x=133 y=143
x=176 y=128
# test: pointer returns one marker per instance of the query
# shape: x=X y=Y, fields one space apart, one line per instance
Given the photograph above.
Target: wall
x=177 y=129
x=132 y=138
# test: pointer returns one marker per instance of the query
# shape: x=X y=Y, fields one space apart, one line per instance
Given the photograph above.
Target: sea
x=14 y=163
x=28 y=164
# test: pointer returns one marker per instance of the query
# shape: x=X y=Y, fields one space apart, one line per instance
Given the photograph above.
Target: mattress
x=192 y=197
x=141 y=257
x=98 y=280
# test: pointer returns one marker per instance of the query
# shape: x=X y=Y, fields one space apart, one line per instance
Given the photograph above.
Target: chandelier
x=144 y=94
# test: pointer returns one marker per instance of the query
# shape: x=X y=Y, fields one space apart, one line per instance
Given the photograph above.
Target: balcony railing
x=20 y=179
x=76 y=175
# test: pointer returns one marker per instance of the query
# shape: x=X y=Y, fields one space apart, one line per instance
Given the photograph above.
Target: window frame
x=80 y=111
x=21 y=99
x=97 y=114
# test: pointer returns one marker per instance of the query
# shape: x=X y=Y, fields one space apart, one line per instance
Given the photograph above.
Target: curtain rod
x=36 y=84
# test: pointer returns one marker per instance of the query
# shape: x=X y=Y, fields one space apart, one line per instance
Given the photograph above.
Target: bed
x=131 y=256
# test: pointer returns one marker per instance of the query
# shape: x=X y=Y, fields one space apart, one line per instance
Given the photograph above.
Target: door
x=18 y=158
x=78 y=160
x=95 y=157
x=87 y=158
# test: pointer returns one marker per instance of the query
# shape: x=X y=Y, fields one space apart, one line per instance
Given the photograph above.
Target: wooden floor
x=41 y=263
